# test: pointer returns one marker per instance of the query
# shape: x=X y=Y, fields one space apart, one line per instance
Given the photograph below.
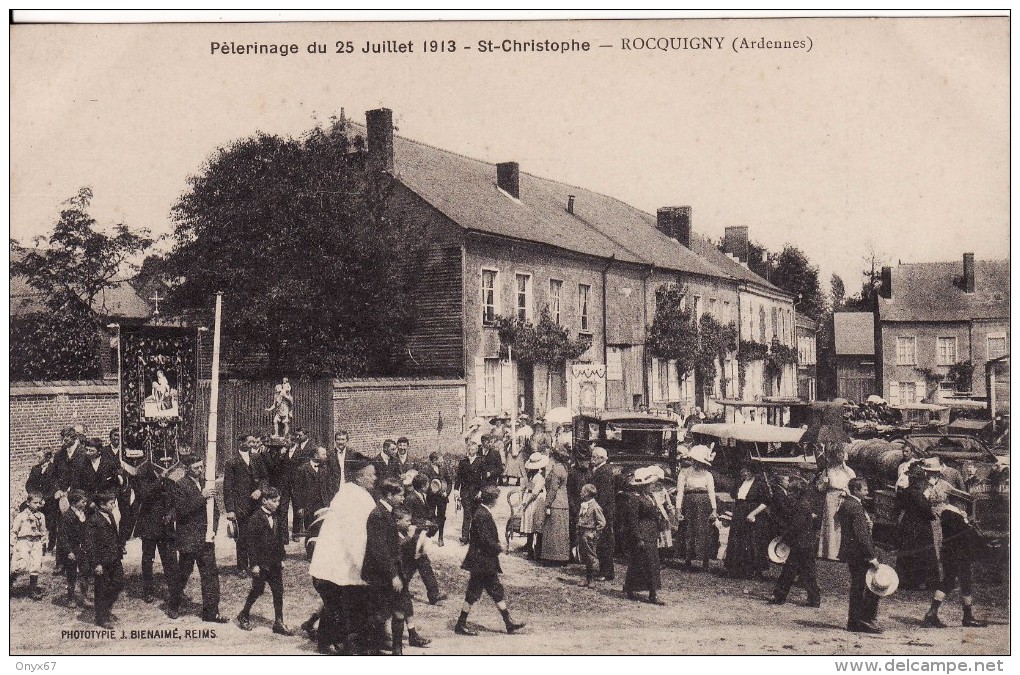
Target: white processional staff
x=513 y=402
x=210 y=447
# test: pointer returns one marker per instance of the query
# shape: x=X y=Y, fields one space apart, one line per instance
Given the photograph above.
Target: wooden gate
x=242 y=410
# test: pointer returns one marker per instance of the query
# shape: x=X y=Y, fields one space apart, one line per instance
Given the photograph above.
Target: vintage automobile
x=903 y=419
x=986 y=476
x=632 y=439
x=777 y=450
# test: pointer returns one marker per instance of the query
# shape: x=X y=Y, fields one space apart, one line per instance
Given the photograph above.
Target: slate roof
x=464 y=190
x=854 y=333
x=930 y=292
x=710 y=252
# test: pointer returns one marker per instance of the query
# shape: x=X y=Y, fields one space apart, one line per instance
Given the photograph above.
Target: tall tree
x=795 y=274
x=58 y=337
x=837 y=292
x=296 y=233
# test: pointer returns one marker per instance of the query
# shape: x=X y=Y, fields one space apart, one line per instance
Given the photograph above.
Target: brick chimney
x=675 y=223
x=380 y=139
x=508 y=178
x=736 y=242
x=886 y=290
x=968 y=272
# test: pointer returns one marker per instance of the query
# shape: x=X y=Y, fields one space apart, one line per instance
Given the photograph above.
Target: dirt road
x=706 y=614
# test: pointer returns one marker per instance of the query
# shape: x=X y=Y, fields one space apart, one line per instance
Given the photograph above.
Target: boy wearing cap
x=482 y=564
x=960 y=545
x=590 y=523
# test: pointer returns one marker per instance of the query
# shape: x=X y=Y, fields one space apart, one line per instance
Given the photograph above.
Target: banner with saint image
x=158 y=394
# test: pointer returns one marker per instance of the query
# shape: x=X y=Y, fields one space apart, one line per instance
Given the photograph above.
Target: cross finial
x=155 y=300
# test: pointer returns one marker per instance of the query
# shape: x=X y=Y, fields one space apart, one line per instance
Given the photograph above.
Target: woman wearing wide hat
x=696 y=504
x=533 y=502
x=746 y=549
x=641 y=525
x=832 y=482
x=556 y=530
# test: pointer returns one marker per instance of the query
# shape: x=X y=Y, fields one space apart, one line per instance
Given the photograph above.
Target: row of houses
x=931 y=322
x=504 y=242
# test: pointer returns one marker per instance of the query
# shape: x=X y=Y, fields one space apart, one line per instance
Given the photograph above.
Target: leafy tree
x=795 y=274
x=296 y=234
x=61 y=339
x=545 y=342
x=837 y=293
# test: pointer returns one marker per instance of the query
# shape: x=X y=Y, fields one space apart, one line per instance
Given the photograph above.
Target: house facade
x=501 y=243
x=936 y=319
x=807 y=357
x=854 y=337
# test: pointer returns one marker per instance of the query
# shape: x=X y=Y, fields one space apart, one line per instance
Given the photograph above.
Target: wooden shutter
x=479 y=385
x=894 y=392
x=505 y=387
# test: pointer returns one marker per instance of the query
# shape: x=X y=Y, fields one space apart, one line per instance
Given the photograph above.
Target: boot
x=511 y=627
x=969 y=621
x=414 y=639
x=587 y=579
x=33 y=586
x=932 y=620
x=243 y=621
x=462 y=628
x=397 y=626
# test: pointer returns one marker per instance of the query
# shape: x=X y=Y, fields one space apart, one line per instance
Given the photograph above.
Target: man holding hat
x=604 y=479
x=858 y=550
x=795 y=511
x=482 y=564
x=961 y=543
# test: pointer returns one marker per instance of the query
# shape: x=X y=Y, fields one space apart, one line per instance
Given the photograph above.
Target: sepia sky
x=889 y=132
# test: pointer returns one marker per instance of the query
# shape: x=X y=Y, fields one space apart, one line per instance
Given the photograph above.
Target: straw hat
x=779 y=551
x=644 y=476
x=409 y=476
x=932 y=464
x=538 y=460
x=882 y=581
x=701 y=454
x=658 y=471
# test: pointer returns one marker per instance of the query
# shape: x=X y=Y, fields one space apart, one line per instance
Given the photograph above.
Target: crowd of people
x=368 y=521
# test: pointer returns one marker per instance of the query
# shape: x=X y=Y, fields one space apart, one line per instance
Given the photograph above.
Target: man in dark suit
x=43 y=479
x=482 y=564
x=403 y=458
x=603 y=477
x=467 y=484
x=313 y=488
x=386 y=465
x=492 y=464
x=243 y=477
x=340 y=457
x=436 y=469
x=154 y=525
x=103 y=551
x=190 y=499
x=266 y=554
x=858 y=550
x=297 y=455
x=97 y=472
x=421 y=517
x=65 y=460
x=381 y=568
x=794 y=508
x=112 y=448
x=274 y=459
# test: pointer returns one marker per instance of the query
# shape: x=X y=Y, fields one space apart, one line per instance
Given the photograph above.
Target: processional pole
x=210 y=447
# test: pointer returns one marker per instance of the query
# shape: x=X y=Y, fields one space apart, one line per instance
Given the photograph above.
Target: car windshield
x=631 y=439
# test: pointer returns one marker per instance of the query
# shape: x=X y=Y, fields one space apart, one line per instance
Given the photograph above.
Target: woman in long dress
x=533 y=502
x=642 y=523
x=833 y=482
x=916 y=562
x=513 y=468
x=696 y=504
x=745 y=550
x=556 y=530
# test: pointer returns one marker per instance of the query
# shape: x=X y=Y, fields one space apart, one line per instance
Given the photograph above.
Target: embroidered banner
x=158 y=394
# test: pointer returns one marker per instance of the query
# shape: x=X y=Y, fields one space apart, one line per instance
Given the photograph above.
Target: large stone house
x=934 y=316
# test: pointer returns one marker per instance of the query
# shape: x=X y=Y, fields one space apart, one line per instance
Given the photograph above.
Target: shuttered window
x=490 y=297
x=555 y=291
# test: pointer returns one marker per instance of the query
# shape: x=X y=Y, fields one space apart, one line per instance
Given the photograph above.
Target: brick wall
x=39 y=410
x=372 y=410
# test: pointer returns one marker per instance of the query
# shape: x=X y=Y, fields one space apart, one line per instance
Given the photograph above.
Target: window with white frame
x=906 y=351
x=523 y=295
x=996 y=346
x=492 y=384
x=555 y=292
x=583 y=297
x=945 y=352
x=490 y=297
x=806 y=350
x=908 y=392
